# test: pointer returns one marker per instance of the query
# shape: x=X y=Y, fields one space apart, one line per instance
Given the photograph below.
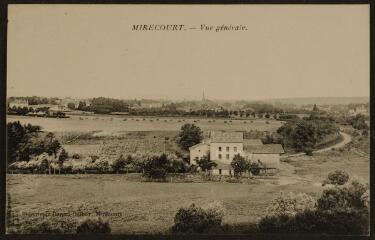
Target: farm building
x=223 y=146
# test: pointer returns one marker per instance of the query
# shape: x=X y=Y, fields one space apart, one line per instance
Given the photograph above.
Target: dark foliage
x=189 y=136
x=156 y=167
x=205 y=163
x=195 y=220
x=239 y=164
x=304 y=135
x=254 y=168
x=94 y=226
x=338 y=177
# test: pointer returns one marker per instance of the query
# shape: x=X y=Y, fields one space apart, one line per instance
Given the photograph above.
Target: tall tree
x=189 y=136
x=239 y=164
x=51 y=144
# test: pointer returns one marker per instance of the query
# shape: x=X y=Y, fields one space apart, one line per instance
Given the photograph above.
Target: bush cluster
x=339 y=210
x=338 y=177
x=152 y=165
x=195 y=219
x=93 y=226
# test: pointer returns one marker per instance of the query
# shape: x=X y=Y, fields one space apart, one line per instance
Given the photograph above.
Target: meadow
x=147 y=207
x=110 y=124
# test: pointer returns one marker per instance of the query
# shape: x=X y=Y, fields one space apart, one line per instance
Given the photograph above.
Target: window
x=227 y=156
x=220 y=171
x=235 y=149
x=220 y=149
x=227 y=149
x=219 y=156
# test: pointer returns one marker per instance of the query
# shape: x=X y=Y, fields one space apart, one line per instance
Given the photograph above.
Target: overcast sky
x=90 y=50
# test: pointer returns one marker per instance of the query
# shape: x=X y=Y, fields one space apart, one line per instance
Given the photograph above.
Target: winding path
x=346 y=139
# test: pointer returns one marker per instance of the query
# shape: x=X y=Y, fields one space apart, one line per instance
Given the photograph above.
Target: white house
x=222 y=146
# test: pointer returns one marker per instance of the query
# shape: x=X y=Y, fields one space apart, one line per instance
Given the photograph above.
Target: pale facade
x=225 y=152
x=198 y=151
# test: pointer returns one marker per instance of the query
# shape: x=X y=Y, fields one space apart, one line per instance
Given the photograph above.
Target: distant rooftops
x=229 y=137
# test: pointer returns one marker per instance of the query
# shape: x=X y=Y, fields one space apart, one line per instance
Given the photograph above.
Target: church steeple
x=203 y=97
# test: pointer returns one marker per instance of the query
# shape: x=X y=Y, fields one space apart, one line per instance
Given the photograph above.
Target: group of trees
x=25 y=141
x=155 y=166
x=105 y=105
x=211 y=109
x=26 y=110
x=35 y=100
x=358 y=122
x=304 y=135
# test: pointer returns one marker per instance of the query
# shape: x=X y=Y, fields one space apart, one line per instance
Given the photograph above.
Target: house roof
x=267 y=164
x=265 y=148
x=223 y=166
x=228 y=137
x=252 y=142
x=197 y=145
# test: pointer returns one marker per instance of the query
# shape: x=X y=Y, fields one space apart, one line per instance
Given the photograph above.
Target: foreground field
x=146 y=207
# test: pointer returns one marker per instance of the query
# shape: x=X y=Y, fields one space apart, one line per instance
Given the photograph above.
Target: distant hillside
x=320 y=100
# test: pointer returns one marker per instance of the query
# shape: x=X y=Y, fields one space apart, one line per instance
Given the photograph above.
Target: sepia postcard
x=188 y=119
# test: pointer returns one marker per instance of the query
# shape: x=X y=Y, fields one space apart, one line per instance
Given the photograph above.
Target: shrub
x=44 y=165
x=63 y=156
x=291 y=204
x=119 y=164
x=158 y=173
x=76 y=156
x=205 y=163
x=93 y=226
x=254 y=168
x=308 y=151
x=338 y=177
x=193 y=169
x=156 y=166
x=197 y=220
x=239 y=164
x=177 y=164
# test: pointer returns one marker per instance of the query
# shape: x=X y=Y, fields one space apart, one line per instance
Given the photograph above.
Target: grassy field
x=146 y=207
x=111 y=124
x=124 y=143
